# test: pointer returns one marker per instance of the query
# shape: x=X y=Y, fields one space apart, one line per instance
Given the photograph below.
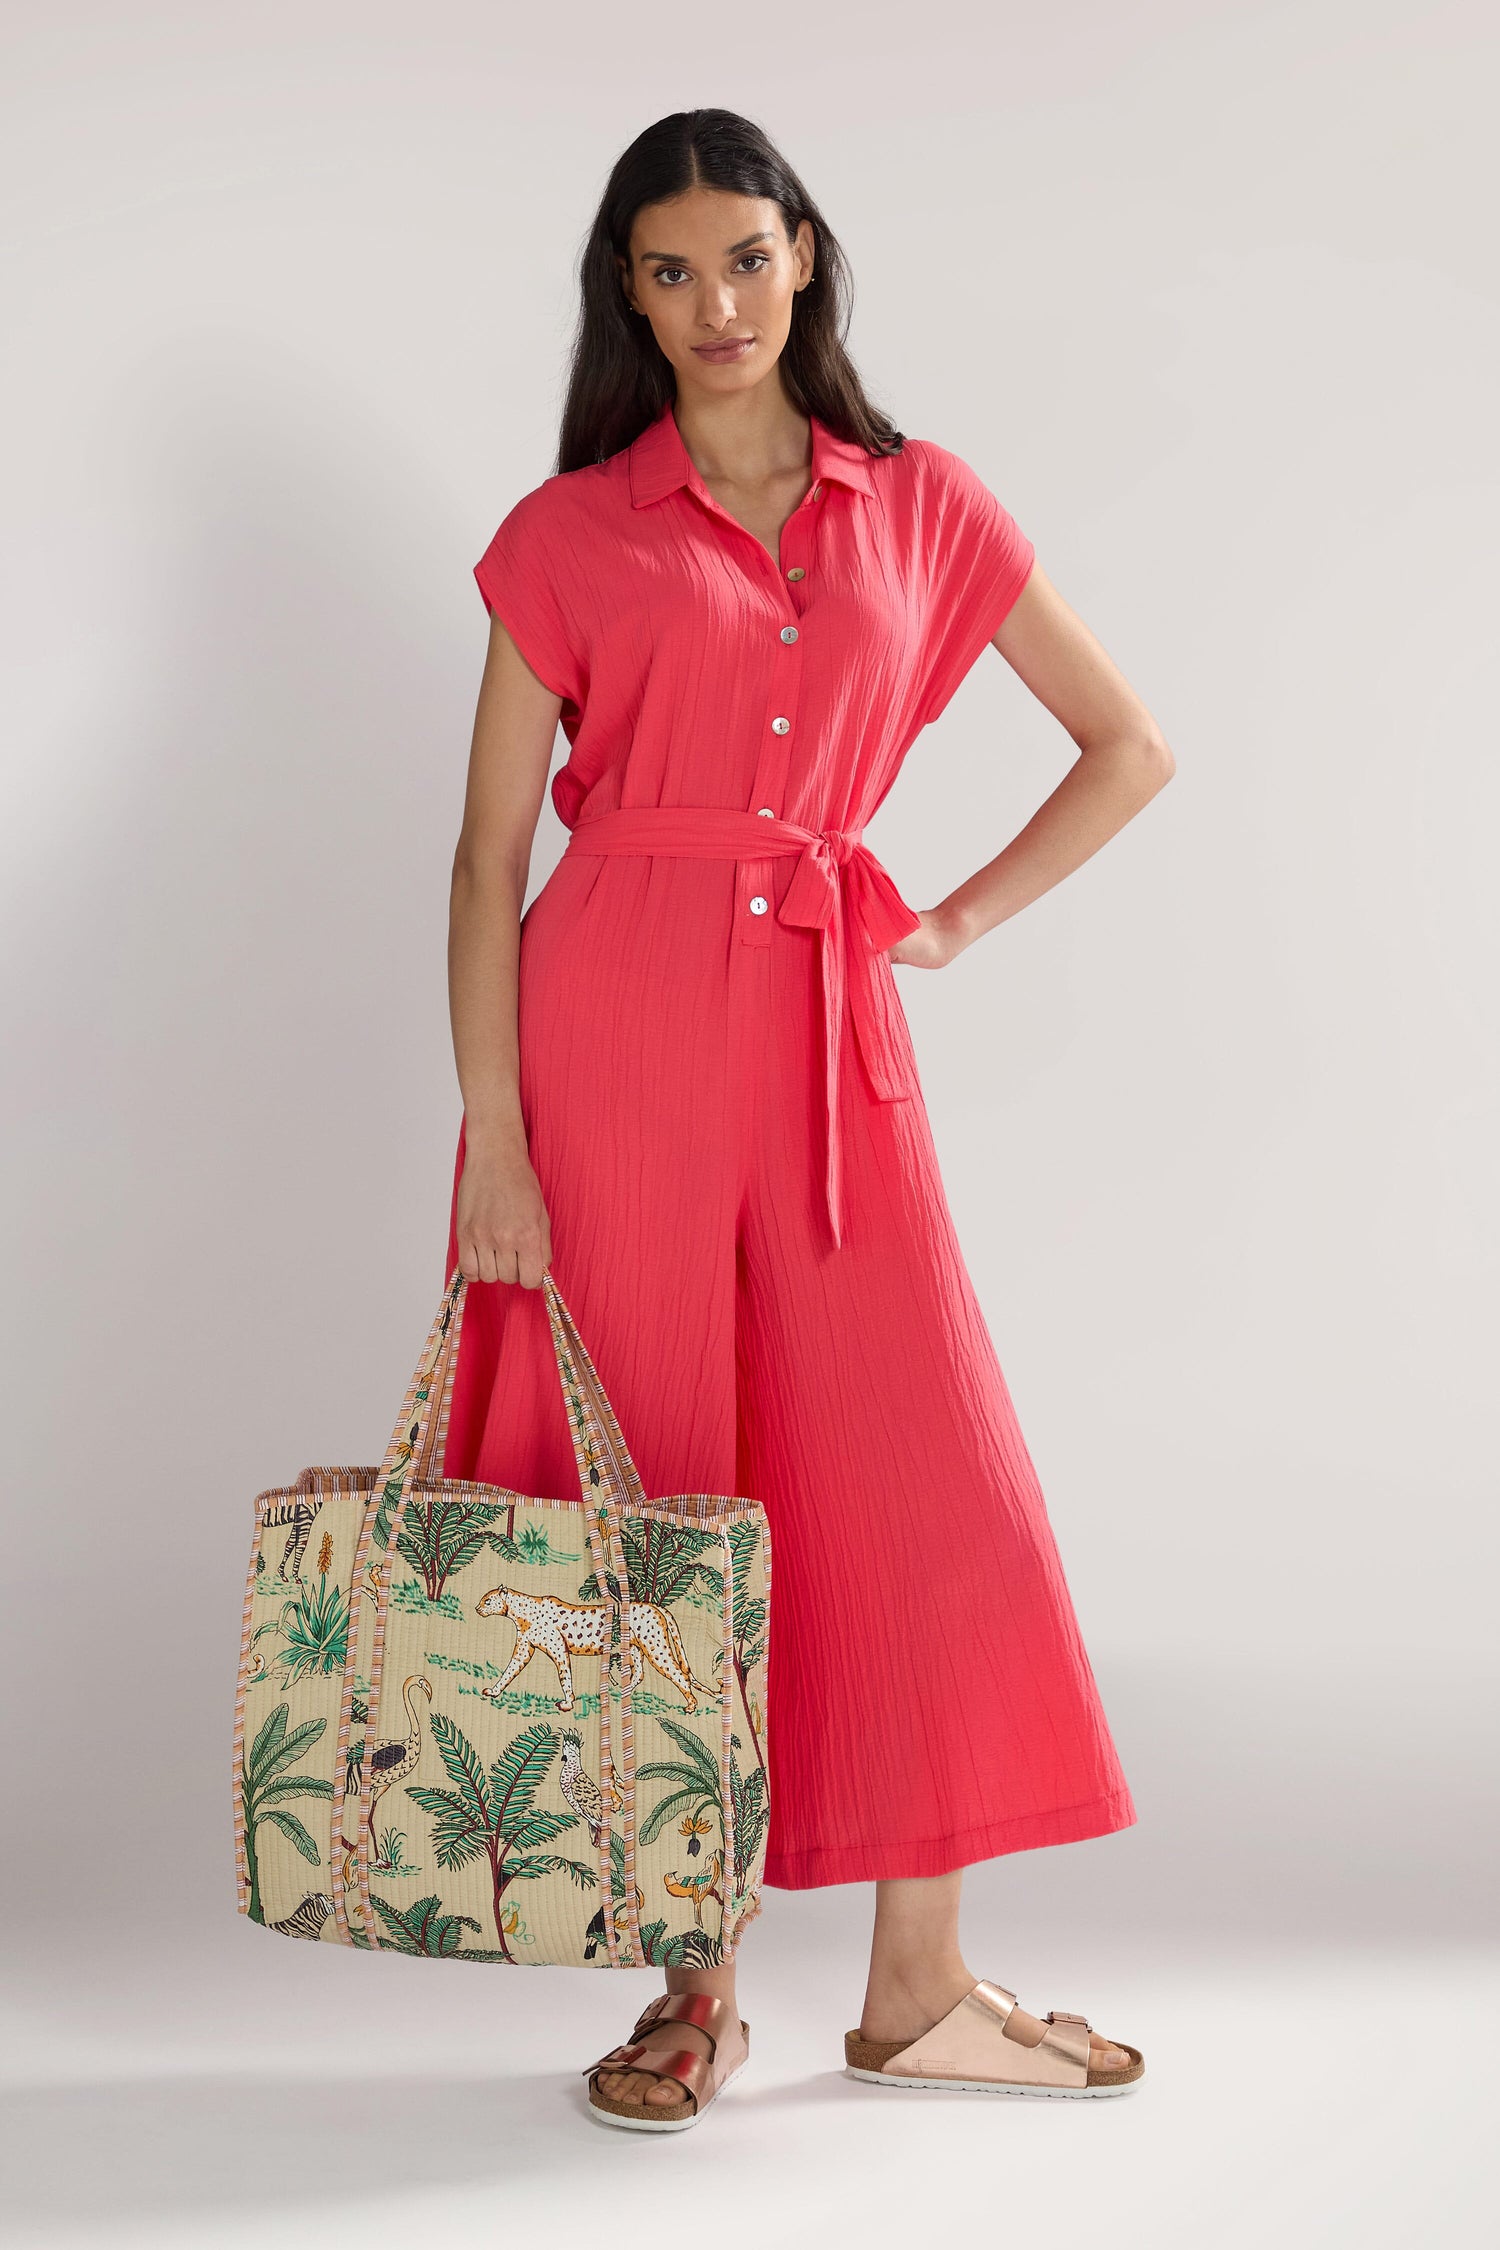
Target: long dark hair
x=619 y=379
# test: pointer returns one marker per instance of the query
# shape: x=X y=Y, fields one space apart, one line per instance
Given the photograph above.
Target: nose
x=717 y=305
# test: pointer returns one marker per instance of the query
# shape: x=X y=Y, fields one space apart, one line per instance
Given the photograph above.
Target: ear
x=804 y=246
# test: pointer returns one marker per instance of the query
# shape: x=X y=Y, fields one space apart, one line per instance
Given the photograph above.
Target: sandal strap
x=710 y=2015
x=1028 y=2051
x=690 y=2069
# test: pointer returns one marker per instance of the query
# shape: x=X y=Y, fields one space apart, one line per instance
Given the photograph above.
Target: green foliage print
x=395 y=1483
x=314 y=1630
x=751 y=1614
x=422 y=1927
x=390 y=1854
x=533 y=1545
x=408 y=1595
x=267 y=1787
x=693 y=1800
x=440 y=1537
x=689 y=1949
x=662 y=1562
x=494 y=1814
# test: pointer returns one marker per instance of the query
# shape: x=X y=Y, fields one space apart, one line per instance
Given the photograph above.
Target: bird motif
x=390 y=1762
x=580 y=1789
x=698 y=1887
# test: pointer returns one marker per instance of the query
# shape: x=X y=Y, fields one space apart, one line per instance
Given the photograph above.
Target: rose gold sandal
x=987 y=2045
x=704 y=2076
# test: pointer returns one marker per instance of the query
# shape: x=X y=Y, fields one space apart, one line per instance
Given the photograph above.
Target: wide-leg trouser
x=930 y=1699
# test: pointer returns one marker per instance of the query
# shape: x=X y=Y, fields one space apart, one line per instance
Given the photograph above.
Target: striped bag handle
x=606 y=1472
x=611 y=1489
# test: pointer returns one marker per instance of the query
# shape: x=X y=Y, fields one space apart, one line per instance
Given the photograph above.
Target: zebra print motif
x=301 y=1512
x=309 y=1918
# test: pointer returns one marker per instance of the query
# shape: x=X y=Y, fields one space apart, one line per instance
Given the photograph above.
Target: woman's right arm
x=503 y=1233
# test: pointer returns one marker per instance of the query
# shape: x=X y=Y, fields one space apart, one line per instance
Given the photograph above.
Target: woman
x=743 y=594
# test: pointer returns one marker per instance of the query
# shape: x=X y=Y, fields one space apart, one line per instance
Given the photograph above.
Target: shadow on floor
x=166 y=2148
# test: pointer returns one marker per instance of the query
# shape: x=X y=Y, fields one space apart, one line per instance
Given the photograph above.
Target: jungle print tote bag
x=480 y=1726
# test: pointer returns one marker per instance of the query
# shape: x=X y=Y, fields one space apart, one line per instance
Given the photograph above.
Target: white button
x=799 y=572
x=817 y=492
x=765 y=812
x=757 y=906
x=789 y=632
x=781 y=726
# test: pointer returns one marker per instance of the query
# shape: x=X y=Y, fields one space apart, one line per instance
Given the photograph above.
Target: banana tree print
x=695 y=1794
x=494 y=1814
x=267 y=1787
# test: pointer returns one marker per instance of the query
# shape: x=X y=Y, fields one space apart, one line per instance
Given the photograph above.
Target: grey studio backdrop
x=1198 y=290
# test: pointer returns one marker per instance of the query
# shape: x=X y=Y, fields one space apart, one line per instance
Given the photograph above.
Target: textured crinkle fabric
x=766 y=1320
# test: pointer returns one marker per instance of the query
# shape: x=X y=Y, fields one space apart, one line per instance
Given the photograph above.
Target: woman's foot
x=917 y=1973
x=904 y=2004
x=667 y=2093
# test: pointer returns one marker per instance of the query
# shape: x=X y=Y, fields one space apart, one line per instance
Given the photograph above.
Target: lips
x=732 y=347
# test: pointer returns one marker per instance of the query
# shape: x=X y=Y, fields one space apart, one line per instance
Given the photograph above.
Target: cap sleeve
x=979 y=560
x=522 y=585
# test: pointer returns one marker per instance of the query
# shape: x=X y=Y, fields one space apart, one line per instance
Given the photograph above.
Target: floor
x=1297 y=1936
x=1327 y=2099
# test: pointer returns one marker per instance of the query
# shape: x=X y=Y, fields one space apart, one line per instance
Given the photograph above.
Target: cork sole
x=643 y=2117
x=864 y=2058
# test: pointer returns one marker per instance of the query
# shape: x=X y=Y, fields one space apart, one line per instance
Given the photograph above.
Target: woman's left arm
x=1123 y=761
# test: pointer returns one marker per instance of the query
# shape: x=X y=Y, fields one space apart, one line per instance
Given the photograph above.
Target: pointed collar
x=660 y=462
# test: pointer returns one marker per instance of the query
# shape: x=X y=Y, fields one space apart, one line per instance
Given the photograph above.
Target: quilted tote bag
x=480 y=1726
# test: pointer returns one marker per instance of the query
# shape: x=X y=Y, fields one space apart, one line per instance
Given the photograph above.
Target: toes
x=636 y=2086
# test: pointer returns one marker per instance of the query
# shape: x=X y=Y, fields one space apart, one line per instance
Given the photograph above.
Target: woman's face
x=715 y=275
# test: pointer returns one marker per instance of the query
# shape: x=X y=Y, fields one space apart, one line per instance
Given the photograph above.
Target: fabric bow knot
x=839 y=889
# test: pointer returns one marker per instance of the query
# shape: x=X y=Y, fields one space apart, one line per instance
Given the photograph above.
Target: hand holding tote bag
x=481 y=1726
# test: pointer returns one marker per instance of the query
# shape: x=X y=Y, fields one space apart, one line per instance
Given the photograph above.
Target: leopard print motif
x=562 y=1629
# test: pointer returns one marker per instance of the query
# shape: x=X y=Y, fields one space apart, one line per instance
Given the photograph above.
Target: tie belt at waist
x=838 y=888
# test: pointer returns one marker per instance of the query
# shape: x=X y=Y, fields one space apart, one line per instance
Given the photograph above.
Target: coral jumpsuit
x=723 y=1112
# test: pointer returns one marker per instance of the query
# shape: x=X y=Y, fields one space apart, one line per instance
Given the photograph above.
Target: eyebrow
x=675 y=258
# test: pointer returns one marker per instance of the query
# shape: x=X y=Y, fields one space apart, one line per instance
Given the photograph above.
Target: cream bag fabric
x=480 y=1726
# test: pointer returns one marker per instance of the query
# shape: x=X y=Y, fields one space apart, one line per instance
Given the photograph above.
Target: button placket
x=755 y=879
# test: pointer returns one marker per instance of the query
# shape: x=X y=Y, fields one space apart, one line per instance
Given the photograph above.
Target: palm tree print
x=439 y=1537
x=662 y=1561
x=495 y=1815
x=266 y=1789
x=423 y=1928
